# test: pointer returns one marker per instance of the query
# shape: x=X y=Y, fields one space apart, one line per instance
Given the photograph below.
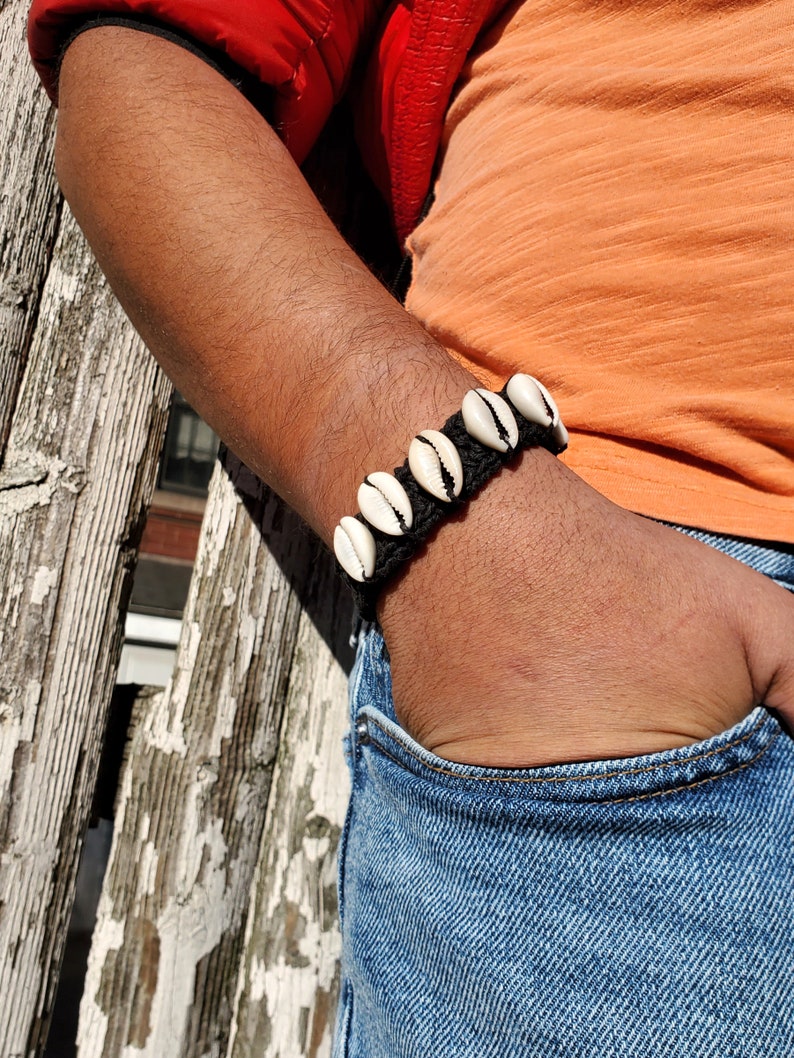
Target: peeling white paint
x=206 y=841
x=144 y=827
x=16 y=502
x=291 y=989
x=257 y=980
x=244 y=795
x=17 y=497
x=108 y=936
x=219 y=518
x=224 y=716
x=315 y=848
x=147 y=867
x=245 y=643
x=188 y=928
x=229 y=596
x=44 y=581
x=10 y=724
x=24 y=466
x=123 y=798
x=191 y=647
x=187 y=654
x=164 y=732
x=33 y=691
x=68 y=284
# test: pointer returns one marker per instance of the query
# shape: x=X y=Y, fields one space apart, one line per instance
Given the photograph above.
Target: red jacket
x=305 y=50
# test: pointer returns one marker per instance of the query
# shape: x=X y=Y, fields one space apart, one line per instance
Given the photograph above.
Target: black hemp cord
x=480 y=463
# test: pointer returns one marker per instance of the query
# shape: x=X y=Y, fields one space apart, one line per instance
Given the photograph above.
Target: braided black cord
x=480 y=463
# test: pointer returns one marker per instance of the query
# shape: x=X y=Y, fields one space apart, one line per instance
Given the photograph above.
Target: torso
x=615 y=214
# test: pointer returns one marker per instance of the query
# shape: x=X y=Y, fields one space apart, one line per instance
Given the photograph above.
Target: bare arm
x=235 y=277
x=542 y=624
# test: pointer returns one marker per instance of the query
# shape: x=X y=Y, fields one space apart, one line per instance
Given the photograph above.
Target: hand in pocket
x=528 y=634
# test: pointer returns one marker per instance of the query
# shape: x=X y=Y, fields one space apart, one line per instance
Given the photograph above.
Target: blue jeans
x=637 y=907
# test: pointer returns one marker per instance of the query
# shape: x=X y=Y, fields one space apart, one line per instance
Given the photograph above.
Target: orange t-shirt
x=614 y=213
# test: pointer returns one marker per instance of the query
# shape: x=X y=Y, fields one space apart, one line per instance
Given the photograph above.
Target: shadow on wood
x=299 y=566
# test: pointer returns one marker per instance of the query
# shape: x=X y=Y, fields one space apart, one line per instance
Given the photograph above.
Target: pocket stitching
x=690 y=785
x=531 y=779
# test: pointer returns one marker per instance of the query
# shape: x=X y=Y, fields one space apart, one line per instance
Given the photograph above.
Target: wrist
x=445 y=468
x=524 y=498
x=377 y=402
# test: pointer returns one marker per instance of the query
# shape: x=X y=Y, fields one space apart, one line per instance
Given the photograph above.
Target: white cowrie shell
x=532 y=400
x=385 y=503
x=555 y=415
x=489 y=420
x=428 y=453
x=560 y=434
x=354 y=547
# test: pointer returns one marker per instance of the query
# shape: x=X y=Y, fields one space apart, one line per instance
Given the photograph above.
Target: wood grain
x=191 y=810
x=77 y=476
x=30 y=204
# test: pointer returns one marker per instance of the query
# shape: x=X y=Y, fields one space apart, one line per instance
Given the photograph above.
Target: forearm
x=233 y=274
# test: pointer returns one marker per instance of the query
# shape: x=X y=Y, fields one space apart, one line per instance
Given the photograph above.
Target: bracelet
x=444 y=468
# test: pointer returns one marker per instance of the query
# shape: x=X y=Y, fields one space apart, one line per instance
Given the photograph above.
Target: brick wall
x=172 y=533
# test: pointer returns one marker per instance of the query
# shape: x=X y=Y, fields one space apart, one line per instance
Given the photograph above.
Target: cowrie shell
x=560 y=434
x=354 y=547
x=550 y=403
x=532 y=400
x=436 y=465
x=489 y=420
x=385 y=503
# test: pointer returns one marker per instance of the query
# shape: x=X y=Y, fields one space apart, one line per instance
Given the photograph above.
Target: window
x=189 y=451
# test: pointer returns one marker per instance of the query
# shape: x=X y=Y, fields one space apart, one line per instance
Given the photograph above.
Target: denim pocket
x=634 y=907
x=375 y=730
x=607 y=781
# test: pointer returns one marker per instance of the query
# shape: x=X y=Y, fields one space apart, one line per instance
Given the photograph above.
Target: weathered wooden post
x=78 y=470
x=82 y=409
x=289 y=978
x=30 y=205
x=258 y=684
x=255 y=682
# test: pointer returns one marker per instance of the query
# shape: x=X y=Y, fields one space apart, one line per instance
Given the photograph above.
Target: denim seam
x=612 y=800
x=690 y=785
x=568 y=778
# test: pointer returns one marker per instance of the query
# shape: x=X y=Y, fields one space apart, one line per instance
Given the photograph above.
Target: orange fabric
x=615 y=214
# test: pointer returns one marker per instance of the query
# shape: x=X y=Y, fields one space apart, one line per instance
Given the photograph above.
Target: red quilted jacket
x=305 y=50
